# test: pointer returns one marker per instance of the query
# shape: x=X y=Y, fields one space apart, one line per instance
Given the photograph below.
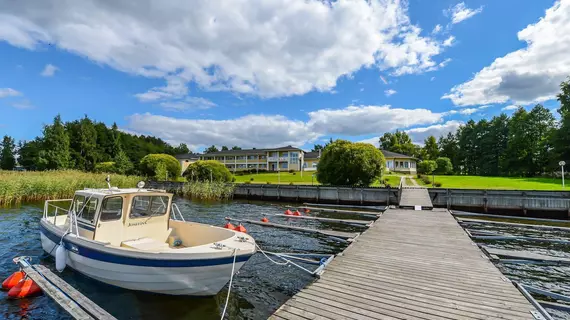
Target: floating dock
x=361 y=223
x=354 y=212
x=411 y=265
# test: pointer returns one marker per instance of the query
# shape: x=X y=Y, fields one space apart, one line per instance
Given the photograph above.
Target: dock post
x=485 y=201
x=523 y=202
x=390 y=191
x=361 y=196
x=448 y=199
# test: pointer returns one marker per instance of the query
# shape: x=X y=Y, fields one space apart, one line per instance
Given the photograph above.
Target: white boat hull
x=195 y=280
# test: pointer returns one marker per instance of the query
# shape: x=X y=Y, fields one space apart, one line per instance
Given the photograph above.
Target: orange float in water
x=296 y=213
x=288 y=212
x=307 y=210
x=13 y=280
x=230 y=226
x=241 y=228
x=24 y=288
x=264 y=219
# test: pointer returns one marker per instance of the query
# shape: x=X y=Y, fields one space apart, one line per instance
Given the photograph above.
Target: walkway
x=410 y=265
x=410 y=197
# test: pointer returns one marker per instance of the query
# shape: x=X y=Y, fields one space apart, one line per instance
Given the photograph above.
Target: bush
x=291 y=183
x=247 y=182
x=426 y=180
x=158 y=165
x=347 y=163
x=437 y=184
x=268 y=182
x=105 y=167
x=444 y=166
x=427 y=166
x=291 y=170
x=204 y=170
x=251 y=179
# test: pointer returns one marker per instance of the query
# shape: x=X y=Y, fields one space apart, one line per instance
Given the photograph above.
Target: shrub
x=247 y=182
x=444 y=166
x=427 y=166
x=206 y=170
x=291 y=171
x=291 y=183
x=347 y=163
x=268 y=182
x=158 y=165
x=105 y=167
x=426 y=180
x=251 y=179
x=437 y=184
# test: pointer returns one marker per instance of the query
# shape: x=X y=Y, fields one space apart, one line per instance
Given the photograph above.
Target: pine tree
x=55 y=153
x=7 y=158
x=430 y=148
x=123 y=164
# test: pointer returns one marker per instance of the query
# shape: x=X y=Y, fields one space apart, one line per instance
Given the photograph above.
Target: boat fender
x=229 y=226
x=13 y=280
x=323 y=261
x=297 y=213
x=288 y=212
x=24 y=288
x=177 y=243
x=307 y=210
x=60 y=258
x=264 y=219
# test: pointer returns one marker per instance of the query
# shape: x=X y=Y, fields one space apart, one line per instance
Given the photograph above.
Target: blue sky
x=279 y=72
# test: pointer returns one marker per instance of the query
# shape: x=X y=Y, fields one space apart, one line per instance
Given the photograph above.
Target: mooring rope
x=287 y=261
x=230 y=285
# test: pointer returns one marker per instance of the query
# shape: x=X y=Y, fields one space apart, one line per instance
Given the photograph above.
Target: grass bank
x=17 y=187
x=505 y=183
x=296 y=178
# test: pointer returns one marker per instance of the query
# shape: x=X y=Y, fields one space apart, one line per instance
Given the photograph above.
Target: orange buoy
x=264 y=219
x=13 y=280
x=229 y=226
x=297 y=213
x=24 y=288
x=288 y=212
x=240 y=228
x=307 y=210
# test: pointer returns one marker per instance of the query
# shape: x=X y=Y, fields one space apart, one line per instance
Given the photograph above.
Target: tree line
x=85 y=145
x=528 y=143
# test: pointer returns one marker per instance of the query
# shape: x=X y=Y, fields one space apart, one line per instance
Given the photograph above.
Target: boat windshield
x=148 y=206
x=85 y=211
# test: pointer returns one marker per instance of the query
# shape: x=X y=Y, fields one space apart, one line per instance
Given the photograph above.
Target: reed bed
x=18 y=187
x=206 y=190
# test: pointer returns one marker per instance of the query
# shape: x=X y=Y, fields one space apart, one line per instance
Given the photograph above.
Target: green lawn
x=476 y=182
x=287 y=178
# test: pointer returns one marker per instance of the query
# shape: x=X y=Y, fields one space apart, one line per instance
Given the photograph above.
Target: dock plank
x=411 y=265
x=415 y=196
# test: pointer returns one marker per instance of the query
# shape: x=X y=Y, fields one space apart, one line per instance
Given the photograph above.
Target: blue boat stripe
x=138 y=261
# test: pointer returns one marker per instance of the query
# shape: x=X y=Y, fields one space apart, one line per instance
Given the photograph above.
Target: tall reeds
x=17 y=187
x=206 y=190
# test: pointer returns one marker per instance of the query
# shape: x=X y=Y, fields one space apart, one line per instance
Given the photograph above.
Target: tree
x=211 y=149
x=105 y=167
x=182 y=149
x=443 y=166
x=83 y=143
x=204 y=170
x=562 y=137
x=448 y=148
x=236 y=148
x=122 y=163
x=427 y=167
x=346 y=163
x=224 y=148
x=159 y=166
x=399 y=142
x=55 y=153
x=317 y=148
x=28 y=153
x=430 y=148
x=7 y=157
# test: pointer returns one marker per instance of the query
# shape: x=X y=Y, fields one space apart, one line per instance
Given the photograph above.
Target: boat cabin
x=117 y=215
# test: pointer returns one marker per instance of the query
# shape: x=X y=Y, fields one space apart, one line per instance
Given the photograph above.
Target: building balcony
x=278 y=158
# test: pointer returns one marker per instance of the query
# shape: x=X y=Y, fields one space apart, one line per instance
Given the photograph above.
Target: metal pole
x=278 y=173
x=562 y=177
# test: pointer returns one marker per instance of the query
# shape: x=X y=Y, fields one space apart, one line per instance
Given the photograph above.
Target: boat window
x=148 y=206
x=85 y=211
x=111 y=209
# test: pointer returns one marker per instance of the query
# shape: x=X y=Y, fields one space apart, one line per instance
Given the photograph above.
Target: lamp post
x=312 y=177
x=562 y=164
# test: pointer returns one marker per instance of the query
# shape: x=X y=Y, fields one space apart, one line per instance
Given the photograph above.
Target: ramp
x=410 y=197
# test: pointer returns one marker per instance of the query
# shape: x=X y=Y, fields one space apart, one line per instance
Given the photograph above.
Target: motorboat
x=138 y=239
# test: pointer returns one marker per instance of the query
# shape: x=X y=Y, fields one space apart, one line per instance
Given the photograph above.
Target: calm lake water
x=259 y=288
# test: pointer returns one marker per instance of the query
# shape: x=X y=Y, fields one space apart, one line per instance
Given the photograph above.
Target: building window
x=390 y=164
x=294 y=158
x=284 y=165
x=304 y=165
x=315 y=164
x=251 y=157
x=262 y=157
x=274 y=154
x=285 y=154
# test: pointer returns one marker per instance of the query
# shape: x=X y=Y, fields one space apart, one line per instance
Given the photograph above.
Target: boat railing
x=175 y=211
x=51 y=204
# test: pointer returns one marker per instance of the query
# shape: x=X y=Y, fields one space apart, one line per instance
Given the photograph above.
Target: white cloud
x=361 y=120
x=249 y=131
x=24 y=104
x=511 y=107
x=528 y=75
x=276 y=130
x=418 y=135
x=436 y=29
x=188 y=103
x=390 y=92
x=467 y=111
x=449 y=41
x=270 y=49
x=49 y=70
x=432 y=78
x=460 y=12
x=9 y=92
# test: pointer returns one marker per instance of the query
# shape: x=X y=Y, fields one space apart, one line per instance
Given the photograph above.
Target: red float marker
x=13 y=280
x=230 y=226
x=288 y=212
x=264 y=219
x=241 y=228
x=297 y=213
x=24 y=288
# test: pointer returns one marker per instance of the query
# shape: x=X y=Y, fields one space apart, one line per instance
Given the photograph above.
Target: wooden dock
x=410 y=265
x=411 y=197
